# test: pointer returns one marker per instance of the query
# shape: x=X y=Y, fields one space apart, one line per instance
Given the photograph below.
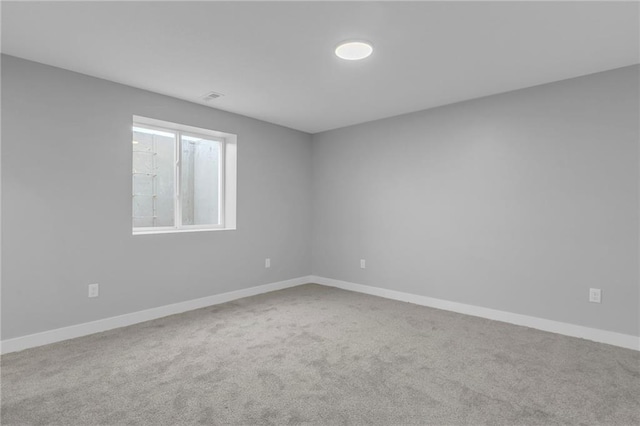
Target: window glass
x=200 y=181
x=153 y=178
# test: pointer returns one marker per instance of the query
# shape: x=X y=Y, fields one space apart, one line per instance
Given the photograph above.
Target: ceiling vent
x=211 y=96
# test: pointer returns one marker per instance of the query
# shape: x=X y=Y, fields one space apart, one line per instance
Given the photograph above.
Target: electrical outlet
x=363 y=263
x=94 y=290
x=595 y=295
x=267 y=263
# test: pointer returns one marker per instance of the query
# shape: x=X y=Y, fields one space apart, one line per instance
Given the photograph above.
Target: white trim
x=71 y=332
x=173 y=230
x=602 y=336
x=162 y=125
x=230 y=181
x=65 y=333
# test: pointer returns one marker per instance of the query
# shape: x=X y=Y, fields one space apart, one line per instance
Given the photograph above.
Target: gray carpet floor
x=319 y=355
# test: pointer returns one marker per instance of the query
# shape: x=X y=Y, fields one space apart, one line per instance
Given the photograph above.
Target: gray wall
x=66 y=199
x=518 y=202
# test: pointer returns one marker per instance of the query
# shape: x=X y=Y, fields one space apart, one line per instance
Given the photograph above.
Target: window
x=183 y=178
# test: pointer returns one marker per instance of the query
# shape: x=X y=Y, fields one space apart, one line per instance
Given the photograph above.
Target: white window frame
x=226 y=170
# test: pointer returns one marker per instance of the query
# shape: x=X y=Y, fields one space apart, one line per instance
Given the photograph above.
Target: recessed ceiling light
x=354 y=50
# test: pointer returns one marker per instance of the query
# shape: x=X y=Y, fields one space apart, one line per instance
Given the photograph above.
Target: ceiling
x=274 y=60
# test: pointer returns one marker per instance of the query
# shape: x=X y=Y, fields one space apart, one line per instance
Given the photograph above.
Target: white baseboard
x=65 y=333
x=594 y=334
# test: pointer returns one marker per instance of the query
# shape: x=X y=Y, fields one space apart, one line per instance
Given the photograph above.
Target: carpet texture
x=319 y=355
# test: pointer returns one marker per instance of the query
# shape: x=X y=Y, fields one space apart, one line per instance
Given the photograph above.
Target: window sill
x=179 y=231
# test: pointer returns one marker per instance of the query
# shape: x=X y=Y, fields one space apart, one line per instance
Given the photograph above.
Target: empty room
x=328 y=213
